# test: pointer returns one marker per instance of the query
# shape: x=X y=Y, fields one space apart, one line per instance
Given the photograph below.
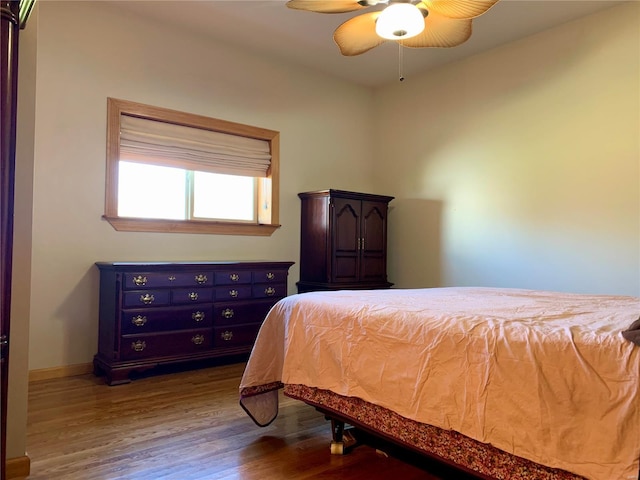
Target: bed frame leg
x=343 y=439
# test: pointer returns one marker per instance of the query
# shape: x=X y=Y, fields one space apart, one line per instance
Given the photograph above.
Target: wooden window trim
x=267 y=218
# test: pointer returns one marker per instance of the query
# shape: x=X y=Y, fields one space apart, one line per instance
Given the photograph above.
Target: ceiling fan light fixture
x=399 y=21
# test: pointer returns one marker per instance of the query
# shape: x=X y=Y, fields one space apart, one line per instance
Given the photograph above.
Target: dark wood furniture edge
x=10 y=29
x=120 y=374
x=347 y=194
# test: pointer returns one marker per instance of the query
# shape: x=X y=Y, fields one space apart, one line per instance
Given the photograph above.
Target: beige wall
x=89 y=51
x=520 y=167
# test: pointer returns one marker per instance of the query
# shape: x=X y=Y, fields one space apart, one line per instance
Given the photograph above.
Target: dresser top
x=195 y=264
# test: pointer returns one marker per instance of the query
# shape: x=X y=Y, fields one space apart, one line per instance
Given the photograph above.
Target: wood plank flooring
x=187 y=425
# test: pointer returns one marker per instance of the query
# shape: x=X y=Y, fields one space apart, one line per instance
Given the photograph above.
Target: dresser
x=158 y=313
x=343 y=240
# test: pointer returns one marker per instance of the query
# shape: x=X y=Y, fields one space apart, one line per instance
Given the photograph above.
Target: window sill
x=122 y=224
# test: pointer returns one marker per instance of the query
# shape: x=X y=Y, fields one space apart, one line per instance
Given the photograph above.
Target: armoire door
x=346 y=240
x=373 y=248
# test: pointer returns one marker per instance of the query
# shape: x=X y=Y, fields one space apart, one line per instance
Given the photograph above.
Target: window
x=169 y=171
x=154 y=191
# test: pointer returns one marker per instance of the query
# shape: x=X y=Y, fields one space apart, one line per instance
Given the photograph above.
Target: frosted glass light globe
x=399 y=21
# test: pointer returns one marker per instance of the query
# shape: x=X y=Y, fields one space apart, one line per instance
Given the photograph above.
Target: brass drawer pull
x=140 y=280
x=138 y=345
x=234 y=277
x=227 y=313
x=197 y=339
x=270 y=276
x=193 y=296
x=197 y=316
x=171 y=278
x=147 y=299
x=270 y=291
x=139 y=321
x=200 y=279
x=226 y=335
x=233 y=293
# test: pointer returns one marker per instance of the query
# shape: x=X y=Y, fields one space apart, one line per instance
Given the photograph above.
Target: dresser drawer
x=232 y=277
x=155 y=320
x=237 y=313
x=233 y=336
x=191 y=295
x=134 y=281
x=264 y=290
x=146 y=298
x=270 y=276
x=165 y=344
x=233 y=292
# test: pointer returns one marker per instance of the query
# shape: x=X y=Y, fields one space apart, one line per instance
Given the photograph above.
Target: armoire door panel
x=346 y=269
x=373 y=269
x=346 y=226
x=346 y=240
x=373 y=226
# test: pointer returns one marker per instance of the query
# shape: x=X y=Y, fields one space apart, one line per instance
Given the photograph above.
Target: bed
x=504 y=383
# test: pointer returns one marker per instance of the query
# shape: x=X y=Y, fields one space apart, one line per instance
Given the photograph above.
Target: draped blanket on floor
x=545 y=376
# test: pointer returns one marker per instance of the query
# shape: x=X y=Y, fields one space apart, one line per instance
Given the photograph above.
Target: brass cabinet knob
x=140 y=280
x=171 y=278
x=197 y=316
x=226 y=335
x=147 y=299
x=200 y=279
x=138 y=345
x=270 y=291
x=139 y=321
x=234 y=277
x=227 y=313
x=233 y=293
x=271 y=276
x=197 y=339
x=193 y=296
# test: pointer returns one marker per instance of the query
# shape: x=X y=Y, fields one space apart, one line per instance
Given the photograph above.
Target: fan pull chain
x=400 y=60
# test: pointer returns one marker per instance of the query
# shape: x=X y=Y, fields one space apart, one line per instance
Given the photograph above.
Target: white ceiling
x=269 y=28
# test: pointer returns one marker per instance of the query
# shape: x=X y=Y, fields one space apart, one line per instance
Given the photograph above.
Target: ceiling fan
x=412 y=23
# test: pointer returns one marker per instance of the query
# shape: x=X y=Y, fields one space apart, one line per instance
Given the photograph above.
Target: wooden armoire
x=343 y=241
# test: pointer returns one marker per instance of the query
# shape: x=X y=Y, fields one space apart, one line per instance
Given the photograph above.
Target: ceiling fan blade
x=358 y=34
x=441 y=31
x=326 y=6
x=458 y=8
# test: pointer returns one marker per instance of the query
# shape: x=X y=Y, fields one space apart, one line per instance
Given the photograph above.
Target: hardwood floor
x=187 y=426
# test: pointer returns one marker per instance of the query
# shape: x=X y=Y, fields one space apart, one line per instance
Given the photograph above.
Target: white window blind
x=169 y=144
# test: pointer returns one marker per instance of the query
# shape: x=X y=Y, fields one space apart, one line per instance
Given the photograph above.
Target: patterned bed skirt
x=446 y=445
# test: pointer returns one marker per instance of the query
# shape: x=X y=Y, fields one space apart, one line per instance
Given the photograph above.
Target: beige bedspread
x=546 y=376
